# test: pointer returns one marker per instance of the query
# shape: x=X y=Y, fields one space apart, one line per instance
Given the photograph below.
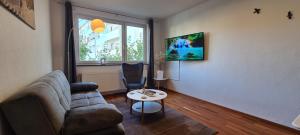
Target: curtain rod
x=105 y=11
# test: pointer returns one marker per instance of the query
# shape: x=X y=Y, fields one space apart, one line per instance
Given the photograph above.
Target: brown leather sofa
x=51 y=106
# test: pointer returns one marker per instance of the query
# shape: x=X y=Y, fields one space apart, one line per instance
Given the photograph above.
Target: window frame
x=124 y=25
x=144 y=41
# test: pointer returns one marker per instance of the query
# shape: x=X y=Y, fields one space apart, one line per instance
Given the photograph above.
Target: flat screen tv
x=185 y=48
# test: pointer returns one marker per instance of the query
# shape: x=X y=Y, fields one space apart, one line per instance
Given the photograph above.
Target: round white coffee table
x=145 y=103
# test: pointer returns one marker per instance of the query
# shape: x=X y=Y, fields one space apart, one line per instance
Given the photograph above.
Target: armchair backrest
x=133 y=73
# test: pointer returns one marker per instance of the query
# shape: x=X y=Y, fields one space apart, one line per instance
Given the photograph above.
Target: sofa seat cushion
x=85 y=95
x=91 y=118
x=87 y=99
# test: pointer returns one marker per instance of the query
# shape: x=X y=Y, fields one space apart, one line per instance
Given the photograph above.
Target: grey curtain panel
x=150 y=82
x=70 y=62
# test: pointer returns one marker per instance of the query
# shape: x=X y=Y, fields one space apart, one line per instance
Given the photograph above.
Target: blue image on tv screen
x=185 y=48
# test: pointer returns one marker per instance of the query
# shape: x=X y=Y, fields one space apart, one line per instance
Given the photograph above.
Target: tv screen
x=185 y=48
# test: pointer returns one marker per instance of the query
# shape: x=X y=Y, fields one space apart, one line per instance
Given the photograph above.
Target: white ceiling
x=139 y=8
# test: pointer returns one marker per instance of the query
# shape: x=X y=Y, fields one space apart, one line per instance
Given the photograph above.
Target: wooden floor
x=225 y=121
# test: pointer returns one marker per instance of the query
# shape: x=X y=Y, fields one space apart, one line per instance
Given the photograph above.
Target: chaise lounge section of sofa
x=51 y=106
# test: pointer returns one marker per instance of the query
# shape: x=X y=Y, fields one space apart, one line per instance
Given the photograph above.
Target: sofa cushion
x=91 y=118
x=58 y=89
x=86 y=95
x=60 y=77
x=83 y=86
x=87 y=99
x=36 y=111
x=60 y=84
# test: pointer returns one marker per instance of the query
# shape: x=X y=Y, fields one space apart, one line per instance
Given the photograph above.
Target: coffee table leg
x=131 y=103
x=142 y=111
x=163 y=106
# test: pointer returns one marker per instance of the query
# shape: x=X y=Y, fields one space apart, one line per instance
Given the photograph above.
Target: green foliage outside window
x=83 y=50
x=135 y=50
x=108 y=56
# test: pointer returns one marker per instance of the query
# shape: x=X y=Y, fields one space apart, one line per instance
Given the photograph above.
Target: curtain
x=70 y=63
x=150 y=82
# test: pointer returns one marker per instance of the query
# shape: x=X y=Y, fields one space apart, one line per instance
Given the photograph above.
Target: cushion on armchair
x=91 y=118
x=135 y=85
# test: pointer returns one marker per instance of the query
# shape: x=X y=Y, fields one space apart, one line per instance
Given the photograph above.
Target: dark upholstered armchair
x=133 y=76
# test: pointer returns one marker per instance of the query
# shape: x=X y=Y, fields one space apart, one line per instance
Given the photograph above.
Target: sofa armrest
x=91 y=118
x=83 y=86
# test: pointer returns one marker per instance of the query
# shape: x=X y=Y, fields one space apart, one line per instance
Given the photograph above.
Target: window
x=96 y=46
x=135 y=43
x=120 y=42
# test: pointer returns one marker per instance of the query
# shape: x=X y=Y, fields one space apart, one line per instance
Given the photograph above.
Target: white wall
x=57 y=16
x=25 y=54
x=108 y=77
x=253 y=61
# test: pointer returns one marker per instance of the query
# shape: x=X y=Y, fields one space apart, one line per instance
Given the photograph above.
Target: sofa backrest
x=61 y=85
x=41 y=107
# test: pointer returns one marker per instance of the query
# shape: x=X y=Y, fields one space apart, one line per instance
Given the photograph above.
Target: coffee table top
x=138 y=95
